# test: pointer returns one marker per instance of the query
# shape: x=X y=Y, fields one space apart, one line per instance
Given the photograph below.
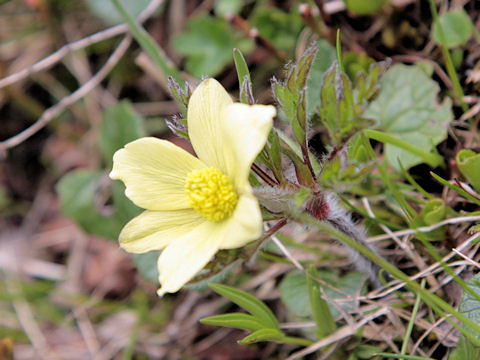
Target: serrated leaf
x=207 y=43
x=120 y=125
x=456 y=28
x=407 y=108
x=181 y=96
x=292 y=149
x=367 y=84
x=325 y=56
x=234 y=320
x=468 y=163
x=356 y=63
x=285 y=98
x=337 y=112
x=248 y=302
x=304 y=66
x=275 y=156
x=291 y=94
x=263 y=335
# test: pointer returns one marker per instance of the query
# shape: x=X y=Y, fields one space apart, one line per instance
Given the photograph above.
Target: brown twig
x=58 y=55
x=264 y=176
x=268 y=233
x=56 y=109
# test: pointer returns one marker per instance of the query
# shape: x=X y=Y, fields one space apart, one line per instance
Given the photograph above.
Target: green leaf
x=275 y=156
x=468 y=162
x=244 y=80
x=431 y=158
x=465 y=350
x=399 y=356
x=207 y=44
x=278 y=27
x=248 y=302
x=408 y=211
x=234 y=320
x=455 y=188
x=321 y=312
x=225 y=8
x=407 y=108
x=356 y=63
x=146 y=264
x=291 y=94
x=362 y=7
x=124 y=208
x=337 y=111
x=325 y=56
x=364 y=351
x=457 y=28
x=105 y=10
x=78 y=190
x=263 y=335
x=433 y=212
x=470 y=306
x=182 y=97
x=120 y=125
x=294 y=291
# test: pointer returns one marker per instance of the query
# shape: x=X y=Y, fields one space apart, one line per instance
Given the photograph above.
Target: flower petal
x=184 y=257
x=205 y=114
x=154 y=173
x=153 y=230
x=245 y=225
x=245 y=130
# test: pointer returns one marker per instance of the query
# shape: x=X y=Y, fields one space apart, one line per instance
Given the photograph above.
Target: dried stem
x=264 y=176
x=56 y=109
x=58 y=55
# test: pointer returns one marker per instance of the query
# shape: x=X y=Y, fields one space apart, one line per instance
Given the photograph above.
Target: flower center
x=210 y=193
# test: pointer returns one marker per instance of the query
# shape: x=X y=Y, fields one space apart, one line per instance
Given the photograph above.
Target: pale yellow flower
x=195 y=206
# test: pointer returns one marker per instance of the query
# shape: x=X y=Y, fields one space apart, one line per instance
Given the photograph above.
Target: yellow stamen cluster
x=210 y=193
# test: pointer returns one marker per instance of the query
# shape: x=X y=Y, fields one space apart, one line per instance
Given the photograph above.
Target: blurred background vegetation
x=70 y=73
